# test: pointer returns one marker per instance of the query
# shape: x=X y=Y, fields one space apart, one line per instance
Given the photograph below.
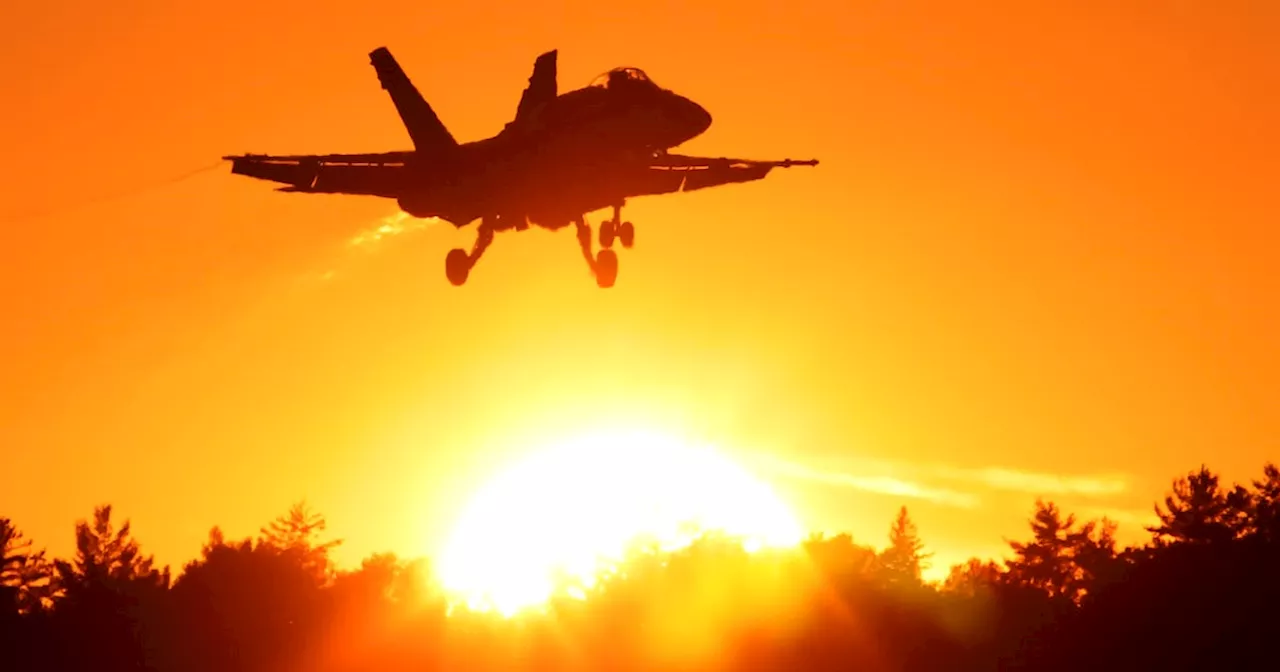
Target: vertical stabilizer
x=542 y=87
x=429 y=135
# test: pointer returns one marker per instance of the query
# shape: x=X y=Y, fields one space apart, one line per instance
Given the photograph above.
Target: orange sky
x=1033 y=260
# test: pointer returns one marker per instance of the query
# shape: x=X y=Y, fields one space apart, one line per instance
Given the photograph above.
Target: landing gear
x=625 y=232
x=458 y=264
x=604 y=266
x=617 y=229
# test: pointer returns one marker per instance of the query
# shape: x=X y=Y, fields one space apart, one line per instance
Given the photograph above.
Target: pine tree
x=298 y=533
x=903 y=560
x=105 y=555
x=111 y=590
x=1264 y=520
x=26 y=577
x=1046 y=562
x=1199 y=512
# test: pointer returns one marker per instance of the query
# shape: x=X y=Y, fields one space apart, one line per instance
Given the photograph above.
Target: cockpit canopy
x=622 y=77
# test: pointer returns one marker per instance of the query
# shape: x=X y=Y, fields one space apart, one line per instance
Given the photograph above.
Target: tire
x=608 y=231
x=606 y=268
x=456 y=267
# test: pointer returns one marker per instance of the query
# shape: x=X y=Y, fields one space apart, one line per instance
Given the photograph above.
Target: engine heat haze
x=562 y=156
x=563 y=518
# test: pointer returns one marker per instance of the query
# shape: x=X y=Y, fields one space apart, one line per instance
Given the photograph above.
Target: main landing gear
x=605 y=264
x=458 y=263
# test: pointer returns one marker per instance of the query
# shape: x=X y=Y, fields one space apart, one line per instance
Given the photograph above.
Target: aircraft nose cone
x=685 y=118
x=696 y=116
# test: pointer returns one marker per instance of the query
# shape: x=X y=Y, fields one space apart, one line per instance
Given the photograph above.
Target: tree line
x=1202 y=593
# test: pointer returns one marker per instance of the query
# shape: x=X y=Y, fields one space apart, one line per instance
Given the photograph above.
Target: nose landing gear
x=615 y=228
x=624 y=232
x=606 y=268
x=605 y=265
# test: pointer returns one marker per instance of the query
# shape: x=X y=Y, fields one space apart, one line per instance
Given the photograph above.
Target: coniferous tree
x=1093 y=552
x=1264 y=522
x=1046 y=562
x=903 y=561
x=111 y=593
x=298 y=534
x=1199 y=512
x=108 y=557
x=26 y=576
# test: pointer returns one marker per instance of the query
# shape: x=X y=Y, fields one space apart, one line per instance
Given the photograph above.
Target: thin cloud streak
x=1003 y=478
x=903 y=479
x=880 y=484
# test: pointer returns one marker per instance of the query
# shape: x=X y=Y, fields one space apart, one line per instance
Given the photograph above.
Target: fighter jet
x=563 y=155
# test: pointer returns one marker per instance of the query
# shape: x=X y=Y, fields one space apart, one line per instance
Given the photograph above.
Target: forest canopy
x=1203 y=592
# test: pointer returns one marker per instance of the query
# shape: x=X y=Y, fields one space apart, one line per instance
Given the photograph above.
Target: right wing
x=356 y=174
x=669 y=173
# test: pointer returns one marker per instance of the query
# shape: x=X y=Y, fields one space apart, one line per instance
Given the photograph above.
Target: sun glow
x=563 y=517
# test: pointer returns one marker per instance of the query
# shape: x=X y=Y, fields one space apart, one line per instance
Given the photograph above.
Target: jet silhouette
x=563 y=155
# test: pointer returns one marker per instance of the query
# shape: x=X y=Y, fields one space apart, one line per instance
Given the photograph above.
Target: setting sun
x=565 y=514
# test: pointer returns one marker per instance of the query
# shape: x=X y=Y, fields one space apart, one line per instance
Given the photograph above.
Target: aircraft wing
x=676 y=172
x=356 y=174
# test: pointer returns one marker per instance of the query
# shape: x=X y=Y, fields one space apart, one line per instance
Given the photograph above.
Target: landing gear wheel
x=456 y=266
x=627 y=234
x=608 y=231
x=606 y=268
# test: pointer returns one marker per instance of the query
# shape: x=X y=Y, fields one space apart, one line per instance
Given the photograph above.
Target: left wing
x=381 y=174
x=670 y=173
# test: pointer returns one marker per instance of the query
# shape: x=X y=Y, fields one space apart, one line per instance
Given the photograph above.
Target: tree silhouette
x=1201 y=594
x=105 y=556
x=297 y=533
x=1264 y=523
x=971 y=577
x=26 y=576
x=111 y=588
x=1048 y=561
x=903 y=561
x=244 y=606
x=1199 y=512
x=841 y=559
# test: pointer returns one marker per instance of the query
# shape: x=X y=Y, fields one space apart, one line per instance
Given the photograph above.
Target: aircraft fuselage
x=556 y=161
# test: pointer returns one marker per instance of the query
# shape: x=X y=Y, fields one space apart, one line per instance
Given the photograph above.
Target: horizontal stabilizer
x=429 y=135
